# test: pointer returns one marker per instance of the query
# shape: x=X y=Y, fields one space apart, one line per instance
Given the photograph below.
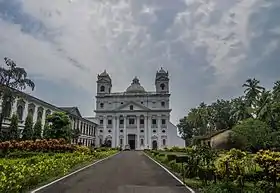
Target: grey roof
x=135 y=87
x=72 y=110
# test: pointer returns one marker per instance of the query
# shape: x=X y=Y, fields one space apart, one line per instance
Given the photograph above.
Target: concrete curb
x=66 y=176
x=170 y=173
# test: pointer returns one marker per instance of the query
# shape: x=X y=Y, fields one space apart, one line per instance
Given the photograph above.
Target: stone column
x=25 y=111
x=159 y=131
x=43 y=120
x=35 y=114
x=124 y=131
x=117 y=130
x=146 y=130
x=150 y=131
x=138 y=132
x=113 y=131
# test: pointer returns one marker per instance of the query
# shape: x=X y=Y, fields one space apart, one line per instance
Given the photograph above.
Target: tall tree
x=252 y=91
x=27 y=132
x=13 y=77
x=60 y=126
x=37 y=130
x=47 y=131
x=186 y=130
x=13 y=129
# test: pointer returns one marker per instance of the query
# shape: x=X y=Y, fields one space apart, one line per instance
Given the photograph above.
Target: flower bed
x=37 y=145
x=17 y=175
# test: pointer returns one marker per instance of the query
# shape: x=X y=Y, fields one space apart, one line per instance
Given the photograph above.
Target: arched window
x=162 y=103
x=20 y=112
x=162 y=86
x=40 y=113
x=164 y=142
x=131 y=107
x=102 y=105
x=102 y=88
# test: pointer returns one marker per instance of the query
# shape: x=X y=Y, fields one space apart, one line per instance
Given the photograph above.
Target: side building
x=25 y=104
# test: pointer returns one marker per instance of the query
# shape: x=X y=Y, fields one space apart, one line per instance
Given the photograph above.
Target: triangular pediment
x=72 y=110
x=136 y=107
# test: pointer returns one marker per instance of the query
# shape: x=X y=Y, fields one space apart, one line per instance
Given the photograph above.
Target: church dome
x=135 y=87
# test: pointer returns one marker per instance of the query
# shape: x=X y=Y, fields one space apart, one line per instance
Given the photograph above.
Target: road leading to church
x=127 y=172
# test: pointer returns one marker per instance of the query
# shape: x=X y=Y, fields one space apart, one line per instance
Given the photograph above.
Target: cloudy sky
x=209 y=47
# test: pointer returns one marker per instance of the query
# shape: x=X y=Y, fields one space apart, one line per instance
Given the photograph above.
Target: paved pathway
x=127 y=172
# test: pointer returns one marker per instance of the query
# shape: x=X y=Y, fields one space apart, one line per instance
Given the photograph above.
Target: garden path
x=126 y=172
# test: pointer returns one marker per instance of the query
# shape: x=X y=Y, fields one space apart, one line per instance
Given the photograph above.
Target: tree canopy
x=258 y=106
x=11 y=77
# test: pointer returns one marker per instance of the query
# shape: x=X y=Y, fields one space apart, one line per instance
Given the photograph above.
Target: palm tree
x=276 y=91
x=11 y=77
x=263 y=105
x=252 y=91
x=239 y=110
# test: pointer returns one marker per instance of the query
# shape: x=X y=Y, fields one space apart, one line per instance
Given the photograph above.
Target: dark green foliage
x=171 y=157
x=13 y=129
x=254 y=133
x=46 y=131
x=60 y=126
x=27 y=132
x=38 y=130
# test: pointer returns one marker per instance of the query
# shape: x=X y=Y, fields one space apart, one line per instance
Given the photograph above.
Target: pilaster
x=138 y=132
x=117 y=130
x=124 y=131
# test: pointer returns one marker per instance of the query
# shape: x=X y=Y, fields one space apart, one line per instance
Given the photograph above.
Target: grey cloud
x=209 y=47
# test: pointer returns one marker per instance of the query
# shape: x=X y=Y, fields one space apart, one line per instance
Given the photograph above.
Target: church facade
x=135 y=117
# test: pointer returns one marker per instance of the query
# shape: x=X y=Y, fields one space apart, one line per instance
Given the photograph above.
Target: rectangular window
x=142 y=121
x=154 y=121
x=142 y=141
x=121 y=142
x=121 y=122
x=131 y=121
x=101 y=121
x=163 y=121
x=109 y=122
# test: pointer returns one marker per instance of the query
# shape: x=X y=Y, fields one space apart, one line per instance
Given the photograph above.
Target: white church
x=135 y=117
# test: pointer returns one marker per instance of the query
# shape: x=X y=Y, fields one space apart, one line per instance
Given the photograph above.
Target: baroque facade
x=25 y=104
x=135 y=117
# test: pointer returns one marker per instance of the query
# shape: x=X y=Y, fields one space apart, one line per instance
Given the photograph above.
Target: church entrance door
x=154 y=145
x=131 y=141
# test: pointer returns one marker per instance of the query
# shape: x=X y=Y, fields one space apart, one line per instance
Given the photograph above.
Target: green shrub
x=171 y=157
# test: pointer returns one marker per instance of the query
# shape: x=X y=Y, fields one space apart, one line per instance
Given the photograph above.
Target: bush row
x=231 y=166
x=37 y=145
x=18 y=175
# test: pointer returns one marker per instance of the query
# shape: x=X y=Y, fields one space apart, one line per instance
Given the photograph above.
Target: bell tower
x=162 y=81
x=104 y=83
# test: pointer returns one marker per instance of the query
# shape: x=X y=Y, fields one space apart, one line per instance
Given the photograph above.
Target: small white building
x=25 y=104
x=135 y=117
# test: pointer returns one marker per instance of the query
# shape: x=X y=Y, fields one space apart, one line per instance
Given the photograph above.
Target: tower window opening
x=162 y=86
x=102 y=88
